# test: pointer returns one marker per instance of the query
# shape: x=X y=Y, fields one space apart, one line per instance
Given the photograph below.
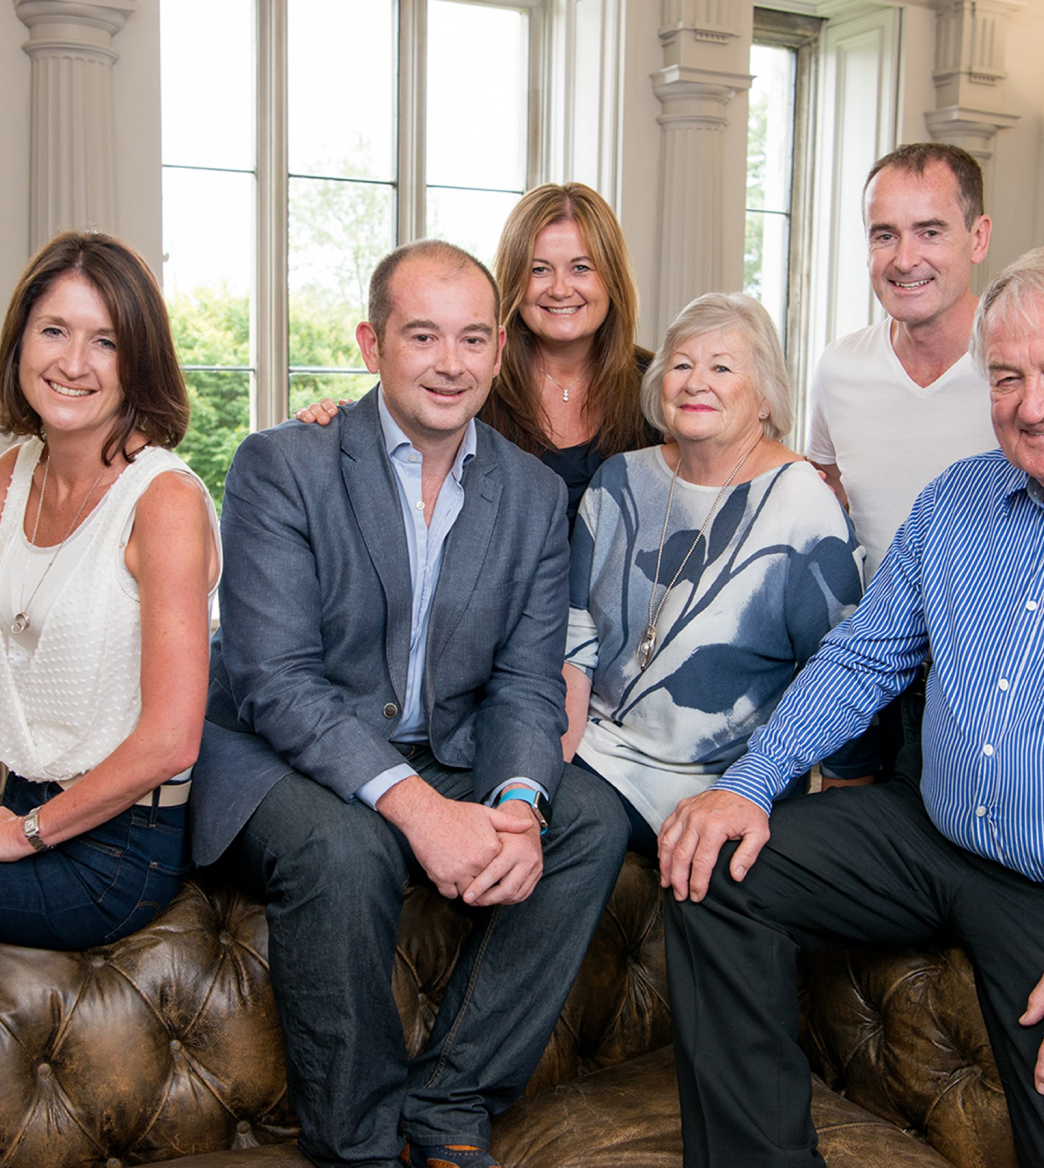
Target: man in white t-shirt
x=894 y=404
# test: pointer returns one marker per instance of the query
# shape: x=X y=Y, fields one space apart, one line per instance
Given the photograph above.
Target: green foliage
x=212 y=327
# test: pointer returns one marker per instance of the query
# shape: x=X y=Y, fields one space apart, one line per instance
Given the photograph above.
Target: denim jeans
x=333 y=875
x=96 y=887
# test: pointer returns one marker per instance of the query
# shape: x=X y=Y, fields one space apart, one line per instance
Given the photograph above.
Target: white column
x=969 y=74
x=72 y=164
x=703 y=148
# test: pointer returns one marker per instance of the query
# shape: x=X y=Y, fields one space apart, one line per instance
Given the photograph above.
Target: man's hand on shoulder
x=454 y=842
x=692 y=836
x=513 y=874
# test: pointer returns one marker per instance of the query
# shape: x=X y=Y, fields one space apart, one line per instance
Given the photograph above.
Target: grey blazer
x=308 y=669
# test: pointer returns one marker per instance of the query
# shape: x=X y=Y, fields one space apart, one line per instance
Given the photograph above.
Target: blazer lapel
x=374 y=500
x=467 y=549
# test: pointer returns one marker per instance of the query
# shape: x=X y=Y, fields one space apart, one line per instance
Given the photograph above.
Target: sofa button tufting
x=226 y=937
x=44 y=1070
x=112 y=1162
x=97 y=961
x=242 y=1127
x=175 y=1044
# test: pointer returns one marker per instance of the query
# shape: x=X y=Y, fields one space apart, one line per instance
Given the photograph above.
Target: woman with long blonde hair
x=568 y=387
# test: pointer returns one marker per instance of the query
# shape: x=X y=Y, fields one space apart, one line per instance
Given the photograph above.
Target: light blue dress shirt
x=965 y=577
x=426 y=543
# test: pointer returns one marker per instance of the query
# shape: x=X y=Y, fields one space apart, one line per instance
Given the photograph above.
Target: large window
x=302 y=139
x=779 y=181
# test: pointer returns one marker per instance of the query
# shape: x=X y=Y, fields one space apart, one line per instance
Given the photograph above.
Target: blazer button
x=391 y=710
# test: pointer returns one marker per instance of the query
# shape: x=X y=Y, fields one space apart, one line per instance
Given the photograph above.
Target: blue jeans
x=96 y=887
x=334 y=875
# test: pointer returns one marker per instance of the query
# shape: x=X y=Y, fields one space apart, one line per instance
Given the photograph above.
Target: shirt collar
x=1018 y=480
x=395 y=439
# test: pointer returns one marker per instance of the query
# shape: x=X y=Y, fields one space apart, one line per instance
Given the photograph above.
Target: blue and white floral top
x=780 y=566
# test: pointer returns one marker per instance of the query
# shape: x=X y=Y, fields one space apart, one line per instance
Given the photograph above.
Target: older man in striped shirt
x=956 y=853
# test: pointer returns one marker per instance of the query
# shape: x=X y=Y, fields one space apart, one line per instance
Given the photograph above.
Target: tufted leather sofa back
x=900 y=1031
x=167 y=1043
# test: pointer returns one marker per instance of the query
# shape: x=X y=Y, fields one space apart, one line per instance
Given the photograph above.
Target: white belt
x=173 y=793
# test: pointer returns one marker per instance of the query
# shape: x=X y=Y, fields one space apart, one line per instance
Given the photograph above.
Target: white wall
x=14 y=150
x=136 y=83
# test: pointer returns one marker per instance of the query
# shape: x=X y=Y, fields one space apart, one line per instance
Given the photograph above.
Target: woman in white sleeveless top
x=109 y=556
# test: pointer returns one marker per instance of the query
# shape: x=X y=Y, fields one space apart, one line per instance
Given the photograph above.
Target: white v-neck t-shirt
x=889 y=436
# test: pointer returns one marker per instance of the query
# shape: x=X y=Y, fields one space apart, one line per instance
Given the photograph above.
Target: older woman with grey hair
x=704 y=571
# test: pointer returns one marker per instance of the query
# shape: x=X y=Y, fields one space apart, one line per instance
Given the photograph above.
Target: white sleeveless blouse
x=78 y=696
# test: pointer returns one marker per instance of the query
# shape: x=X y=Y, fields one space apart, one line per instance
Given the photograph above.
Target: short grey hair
x=727 y=311
x=1007 y=295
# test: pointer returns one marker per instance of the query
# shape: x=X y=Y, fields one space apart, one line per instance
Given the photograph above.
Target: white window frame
x=800 y=33
x=270 y=321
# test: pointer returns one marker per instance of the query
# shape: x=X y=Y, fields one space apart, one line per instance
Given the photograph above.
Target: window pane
x=306 y=388
x=208 y=83
x=208 y=237
x=771 y=128
x=775 y=253
x=220 y=421
x=770 y=138
x=338 y=232
x=477 y=86
x=341 y=87
x=470 y=219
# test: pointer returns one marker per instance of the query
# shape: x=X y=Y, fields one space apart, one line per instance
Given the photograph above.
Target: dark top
x=576 y=465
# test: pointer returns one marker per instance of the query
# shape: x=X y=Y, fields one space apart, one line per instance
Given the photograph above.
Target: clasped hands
x=485 y=855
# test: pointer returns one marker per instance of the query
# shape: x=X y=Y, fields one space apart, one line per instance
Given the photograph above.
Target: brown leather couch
x=166 y=1047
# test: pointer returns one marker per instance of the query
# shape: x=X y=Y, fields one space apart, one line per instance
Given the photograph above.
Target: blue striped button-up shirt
x=965 y=578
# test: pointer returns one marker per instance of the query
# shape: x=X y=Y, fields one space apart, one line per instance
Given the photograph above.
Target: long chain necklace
x=22 y=622
x=565 y=388
x=647 y=644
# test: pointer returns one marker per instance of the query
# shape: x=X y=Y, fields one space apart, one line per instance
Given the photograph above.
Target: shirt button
x=420 y=504
x=988 y=750
x=980 y=811
x=414 y=458
x=391 y=710
x=1031 y=605
x=1003 y=684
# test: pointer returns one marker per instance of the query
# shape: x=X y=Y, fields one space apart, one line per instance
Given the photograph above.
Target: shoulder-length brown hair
x=155 y=401
x=513 y=407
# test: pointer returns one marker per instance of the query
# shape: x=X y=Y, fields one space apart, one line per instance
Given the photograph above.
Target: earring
x=763 y=415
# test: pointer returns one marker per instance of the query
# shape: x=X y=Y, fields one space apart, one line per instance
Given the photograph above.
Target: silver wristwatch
x=31 y=831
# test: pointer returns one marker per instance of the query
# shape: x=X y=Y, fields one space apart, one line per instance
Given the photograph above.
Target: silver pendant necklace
x=21 y=621
x=647 y=644
x=565 y=388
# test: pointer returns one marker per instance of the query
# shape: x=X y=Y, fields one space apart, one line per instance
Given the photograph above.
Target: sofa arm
x=900 y=1032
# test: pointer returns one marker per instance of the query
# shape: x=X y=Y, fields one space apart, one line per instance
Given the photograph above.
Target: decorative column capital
x=970 y=40
x=972 y=129
x=970 y=73
x=693 y=31
x=73 y=27
x=696 y=96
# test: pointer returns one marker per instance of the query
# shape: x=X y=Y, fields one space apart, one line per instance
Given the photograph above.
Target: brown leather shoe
x=447 y=1156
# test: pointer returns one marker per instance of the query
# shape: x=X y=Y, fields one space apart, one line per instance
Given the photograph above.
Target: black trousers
x=843 y=868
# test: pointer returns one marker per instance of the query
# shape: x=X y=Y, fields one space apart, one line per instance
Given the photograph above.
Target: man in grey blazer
x=386 y=699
